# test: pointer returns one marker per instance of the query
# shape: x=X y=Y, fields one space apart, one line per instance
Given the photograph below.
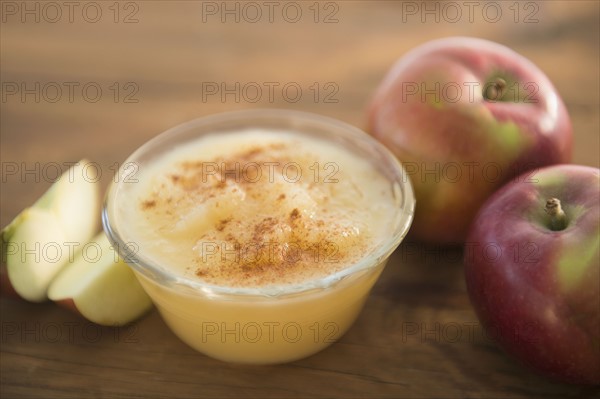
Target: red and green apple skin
x=439 y=133
x=537 y=291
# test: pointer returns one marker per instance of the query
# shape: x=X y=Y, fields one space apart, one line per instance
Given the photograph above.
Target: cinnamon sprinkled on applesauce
x=256 y=215
x=148 y=204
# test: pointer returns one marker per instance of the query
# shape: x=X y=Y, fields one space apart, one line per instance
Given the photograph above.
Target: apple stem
x=558 y=218
x=496 y=89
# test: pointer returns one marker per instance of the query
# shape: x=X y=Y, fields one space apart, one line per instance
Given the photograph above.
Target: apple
x=532 y=266
x=466 y=115
x=100 y=286
x=36 y=245
x=35 y=253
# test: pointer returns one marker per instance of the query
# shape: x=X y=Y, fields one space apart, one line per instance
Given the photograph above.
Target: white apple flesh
x=35 y=254
x=37 y=243
x=100 y=286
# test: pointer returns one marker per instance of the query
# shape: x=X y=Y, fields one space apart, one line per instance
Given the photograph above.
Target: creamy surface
x=258 y=208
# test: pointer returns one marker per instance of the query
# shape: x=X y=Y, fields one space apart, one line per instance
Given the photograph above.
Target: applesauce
x=259 y=235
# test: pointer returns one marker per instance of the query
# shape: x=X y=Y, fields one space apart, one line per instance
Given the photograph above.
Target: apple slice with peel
x=100 y=286
x=38 y=243
x=35 y=253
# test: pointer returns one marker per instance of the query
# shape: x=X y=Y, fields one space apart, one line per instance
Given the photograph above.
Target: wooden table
x=156 y=63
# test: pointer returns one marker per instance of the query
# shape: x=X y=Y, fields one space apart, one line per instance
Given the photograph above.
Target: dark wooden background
x=417 y=336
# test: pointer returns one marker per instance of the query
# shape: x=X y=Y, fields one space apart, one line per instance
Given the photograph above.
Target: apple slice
x=35 y=253
x=75 y=200
x=36 y=245
x=100 y=286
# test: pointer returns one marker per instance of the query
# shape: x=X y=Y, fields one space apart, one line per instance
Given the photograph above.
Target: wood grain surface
x=153 y=61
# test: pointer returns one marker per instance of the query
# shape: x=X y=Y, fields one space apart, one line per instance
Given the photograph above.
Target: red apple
x=465 y=115
x=532 y=268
